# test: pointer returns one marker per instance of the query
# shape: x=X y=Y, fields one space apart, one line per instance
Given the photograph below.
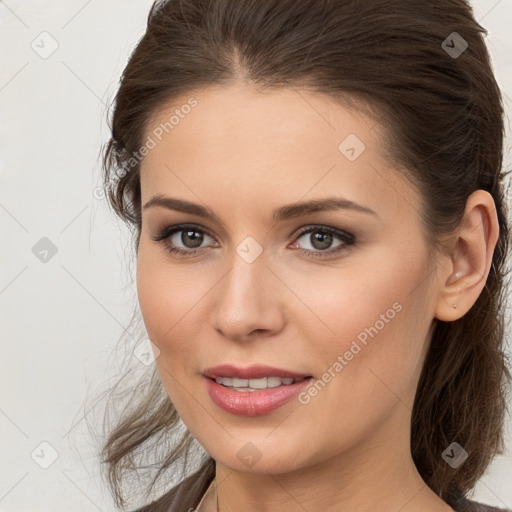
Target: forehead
x=283 y=144
x=275 y=118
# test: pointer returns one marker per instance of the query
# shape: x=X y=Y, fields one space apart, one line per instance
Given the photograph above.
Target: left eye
x=321 y=238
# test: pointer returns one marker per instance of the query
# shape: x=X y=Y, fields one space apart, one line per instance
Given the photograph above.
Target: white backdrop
x=60 y=319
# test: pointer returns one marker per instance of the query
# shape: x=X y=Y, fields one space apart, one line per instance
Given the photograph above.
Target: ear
x=470 y=260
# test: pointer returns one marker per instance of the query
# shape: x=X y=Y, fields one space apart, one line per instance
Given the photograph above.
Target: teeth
x=273 y=382
x=255 y=384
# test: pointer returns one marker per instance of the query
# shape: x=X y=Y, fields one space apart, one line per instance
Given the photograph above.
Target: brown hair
x=443 y=119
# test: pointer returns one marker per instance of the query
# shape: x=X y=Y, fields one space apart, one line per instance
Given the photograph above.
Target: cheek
x=165 y=296
x=174 y=302
x=167 y=301
x=370 y=326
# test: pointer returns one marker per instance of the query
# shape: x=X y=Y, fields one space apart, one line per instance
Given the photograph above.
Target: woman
x=317 y=200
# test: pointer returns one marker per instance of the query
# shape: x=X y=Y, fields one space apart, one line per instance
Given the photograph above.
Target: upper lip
x=256 y=371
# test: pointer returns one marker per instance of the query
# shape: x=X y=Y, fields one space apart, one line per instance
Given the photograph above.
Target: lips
x=255 y=403
x=256 y=371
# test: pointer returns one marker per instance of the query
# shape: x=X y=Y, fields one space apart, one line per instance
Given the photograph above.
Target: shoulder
x=473 y=506
x=186 y=495
x=463 y=504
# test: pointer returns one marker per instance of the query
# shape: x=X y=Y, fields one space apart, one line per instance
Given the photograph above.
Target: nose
x=247 y=301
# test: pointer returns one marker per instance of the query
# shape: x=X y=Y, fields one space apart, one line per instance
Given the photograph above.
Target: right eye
x=189 y=235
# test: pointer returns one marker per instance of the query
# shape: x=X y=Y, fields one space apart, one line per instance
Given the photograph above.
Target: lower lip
x=253 y=403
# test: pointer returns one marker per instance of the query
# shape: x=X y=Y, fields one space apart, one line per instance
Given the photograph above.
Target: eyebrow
x=282 y=213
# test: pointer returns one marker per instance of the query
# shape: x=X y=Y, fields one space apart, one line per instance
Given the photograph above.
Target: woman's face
x=344 y=295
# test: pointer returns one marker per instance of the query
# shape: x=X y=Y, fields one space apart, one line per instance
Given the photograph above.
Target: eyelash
x=348 y=240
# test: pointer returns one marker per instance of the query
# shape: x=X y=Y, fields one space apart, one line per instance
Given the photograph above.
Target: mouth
x=255 y=390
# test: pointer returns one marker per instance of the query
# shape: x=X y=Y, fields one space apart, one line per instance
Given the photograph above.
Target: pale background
x=61 y=319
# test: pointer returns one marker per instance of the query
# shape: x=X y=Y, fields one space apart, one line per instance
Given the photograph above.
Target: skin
x=243 y=153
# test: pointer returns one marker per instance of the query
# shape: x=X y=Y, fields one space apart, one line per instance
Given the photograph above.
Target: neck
x=374 y=474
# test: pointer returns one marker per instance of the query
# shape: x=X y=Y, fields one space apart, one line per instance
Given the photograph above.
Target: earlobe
x=471 y=258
